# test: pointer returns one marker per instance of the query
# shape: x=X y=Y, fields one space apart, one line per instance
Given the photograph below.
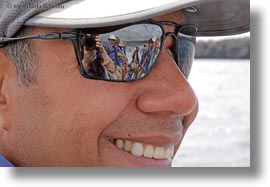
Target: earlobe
x=3 y=101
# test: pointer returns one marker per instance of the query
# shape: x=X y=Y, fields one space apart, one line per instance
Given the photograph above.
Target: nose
x=165 y=89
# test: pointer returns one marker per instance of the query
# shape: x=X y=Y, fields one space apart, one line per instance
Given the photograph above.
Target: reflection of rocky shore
x=229 y=48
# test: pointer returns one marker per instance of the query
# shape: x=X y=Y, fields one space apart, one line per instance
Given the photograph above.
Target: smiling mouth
x=145 y=150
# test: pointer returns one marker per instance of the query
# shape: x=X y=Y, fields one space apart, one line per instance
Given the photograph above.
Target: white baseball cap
x=212 y=17
x=112 y=37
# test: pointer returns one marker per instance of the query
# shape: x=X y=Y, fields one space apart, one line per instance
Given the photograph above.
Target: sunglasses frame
x=74 y=36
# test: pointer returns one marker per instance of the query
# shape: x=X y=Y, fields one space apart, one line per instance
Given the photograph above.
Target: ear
x=4 y=70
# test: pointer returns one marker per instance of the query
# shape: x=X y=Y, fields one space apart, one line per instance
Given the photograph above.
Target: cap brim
x=213 y=17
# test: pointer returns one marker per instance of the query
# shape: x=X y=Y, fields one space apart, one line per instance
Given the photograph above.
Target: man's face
x=112 y=42
x=63 y=119
x=157 y=44
x=150 y=44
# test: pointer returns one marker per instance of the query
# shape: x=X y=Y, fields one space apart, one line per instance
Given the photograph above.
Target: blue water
x=220 y=136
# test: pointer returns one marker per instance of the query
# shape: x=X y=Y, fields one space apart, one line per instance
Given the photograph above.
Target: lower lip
x=141 y=161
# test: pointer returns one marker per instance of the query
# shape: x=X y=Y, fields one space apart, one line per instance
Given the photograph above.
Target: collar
x=4 y=162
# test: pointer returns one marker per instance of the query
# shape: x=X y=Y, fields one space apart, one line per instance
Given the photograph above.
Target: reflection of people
x=53 y=114
x=88 y=57
x=134 y=65
x=147 y=55
x=122 y=46
x=122 y=57
x=135 y=55
x=116 y=54
x=144 y=49
x=155 y=52
x=99 y=54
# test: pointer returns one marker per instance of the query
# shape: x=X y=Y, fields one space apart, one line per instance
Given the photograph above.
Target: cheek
x=79 y=110
x=61 y=117
x=85 y=112
x=28 y=129
x=63 y=126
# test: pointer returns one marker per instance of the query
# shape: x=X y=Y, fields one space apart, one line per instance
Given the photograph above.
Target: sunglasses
x=126 y=52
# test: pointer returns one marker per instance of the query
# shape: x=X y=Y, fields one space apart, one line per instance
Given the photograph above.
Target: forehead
x=177 y=17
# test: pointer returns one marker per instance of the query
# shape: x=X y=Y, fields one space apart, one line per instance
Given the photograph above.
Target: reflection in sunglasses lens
x=125 y=54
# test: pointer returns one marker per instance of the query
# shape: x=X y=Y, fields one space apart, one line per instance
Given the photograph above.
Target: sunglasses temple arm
x=47 y=36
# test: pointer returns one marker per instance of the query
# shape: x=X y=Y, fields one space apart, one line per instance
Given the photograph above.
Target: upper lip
x=158 y=132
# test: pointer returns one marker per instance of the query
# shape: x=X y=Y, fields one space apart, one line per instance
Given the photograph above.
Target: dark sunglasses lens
x=125 y=54
x=186 y=49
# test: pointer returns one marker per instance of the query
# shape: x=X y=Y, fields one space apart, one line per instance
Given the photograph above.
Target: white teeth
x=146 y=150
x=169 y=151
x=119 y=143
x=137 y=149
x=159 y=153
x=172 y=152
x=128 y=145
